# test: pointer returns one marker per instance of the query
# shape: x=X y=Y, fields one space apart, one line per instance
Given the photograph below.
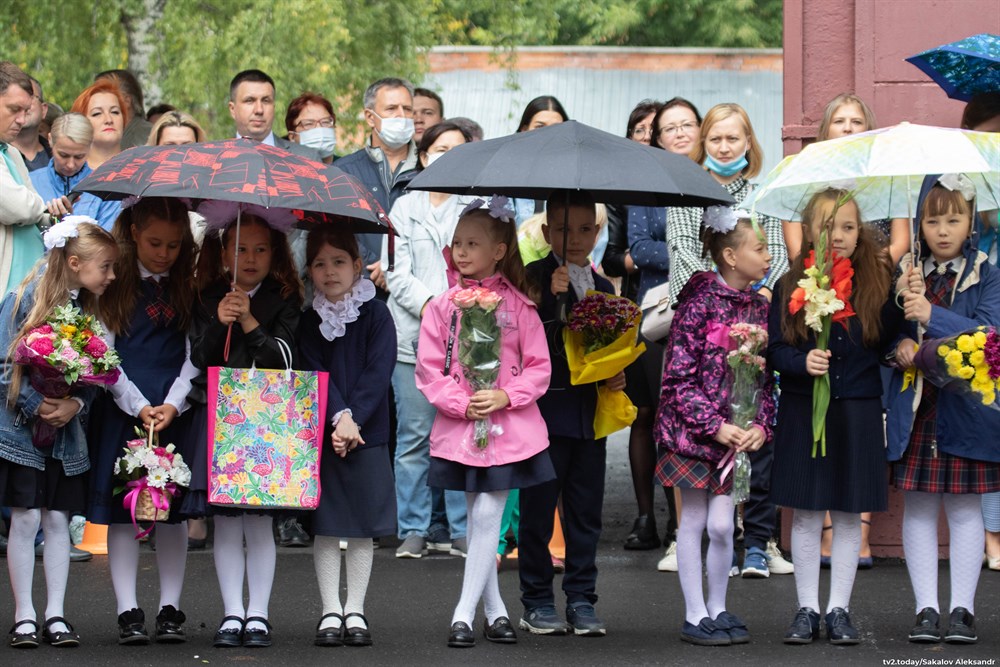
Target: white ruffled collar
x=335 y=316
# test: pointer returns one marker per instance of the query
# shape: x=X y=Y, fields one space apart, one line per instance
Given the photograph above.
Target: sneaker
x=734 y=568
x=669 y=561
x=76 y=526
x=543 y=620
x=439 y=541
x=291 y=533
x=414 y=546
x=776 y=563
x=755 y=564
x=459 y=547
x=584 y=619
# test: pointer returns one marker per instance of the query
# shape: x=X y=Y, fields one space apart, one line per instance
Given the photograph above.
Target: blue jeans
x=414 y=418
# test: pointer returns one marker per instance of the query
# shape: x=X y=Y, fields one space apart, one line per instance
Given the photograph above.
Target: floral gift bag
x=265 y=435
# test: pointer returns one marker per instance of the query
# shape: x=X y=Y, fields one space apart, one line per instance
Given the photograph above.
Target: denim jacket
x=15 y=423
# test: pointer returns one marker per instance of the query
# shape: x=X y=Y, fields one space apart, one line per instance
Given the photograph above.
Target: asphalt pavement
x=410 y=603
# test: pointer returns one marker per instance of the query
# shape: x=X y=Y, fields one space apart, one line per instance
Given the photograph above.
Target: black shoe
x=197 y=543
x=3 y=545
x=253 y=638
x=839 y=629
x=229 y=638
x=926 y=630
x=501 y=632
x=24 y=639
x=291 y=533
x=643 y=536
x=65 y=639
x=804 y=628
x=77 y=555
x=357 y=636
x=168 y=625
x=961 y=627
x=330 y=636
x=132 y=627
x=461 y=635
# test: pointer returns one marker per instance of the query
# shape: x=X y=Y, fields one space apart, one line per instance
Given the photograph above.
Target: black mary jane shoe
x=357 y=636
x=168 y=625
x=60 y=639
x=643 y=536
x=501 y=632
x=229 y=638
x=24 y=639
x=132 y=627
x=330 y=636
x=461 y=635
x=961 y=627
x=926 y=629
x=254 y=638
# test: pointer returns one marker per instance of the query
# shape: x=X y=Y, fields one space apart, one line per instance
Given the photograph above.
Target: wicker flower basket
x=145 y=510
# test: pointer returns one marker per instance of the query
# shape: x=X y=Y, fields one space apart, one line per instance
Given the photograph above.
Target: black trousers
x=579 y=466
x=759 y=513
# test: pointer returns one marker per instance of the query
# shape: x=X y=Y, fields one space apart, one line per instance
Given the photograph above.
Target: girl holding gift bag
x=253 y=310
x=485 y=441
x=849 y=478
x=148 y=312
x=351 y=335
x=46 y=487
x=944 y=443
x=694 y=429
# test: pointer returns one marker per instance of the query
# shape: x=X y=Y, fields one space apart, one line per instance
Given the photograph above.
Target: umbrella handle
x=225 y=350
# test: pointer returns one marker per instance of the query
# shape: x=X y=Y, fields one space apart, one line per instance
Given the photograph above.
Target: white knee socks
x=55 y=526
x=701 y=510
x=920 y=545
x=807 y=527
x=21 y=559
x=123 y=558
x=843 y=558
x=965 y=553
x=230 y=564
x=485 y=510
x=261 y=557
x=171 y=561
x=326 y=553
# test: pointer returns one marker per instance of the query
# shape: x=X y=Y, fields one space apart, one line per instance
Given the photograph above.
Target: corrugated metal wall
x=604 y=98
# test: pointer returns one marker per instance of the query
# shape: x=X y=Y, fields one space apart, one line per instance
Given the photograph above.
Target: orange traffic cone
x=95 y=539
x=557 y=545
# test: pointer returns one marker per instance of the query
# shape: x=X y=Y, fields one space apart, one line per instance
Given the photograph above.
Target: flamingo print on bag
x=270 y=399
x=238 y=417
x=264 y=469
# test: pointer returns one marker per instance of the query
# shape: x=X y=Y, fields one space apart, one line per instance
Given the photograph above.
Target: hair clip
x=67 y=228
x=958 y=182
x=721 y=219
x=499 y=207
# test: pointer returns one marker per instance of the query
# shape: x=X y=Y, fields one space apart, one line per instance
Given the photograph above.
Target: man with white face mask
x=387 y=162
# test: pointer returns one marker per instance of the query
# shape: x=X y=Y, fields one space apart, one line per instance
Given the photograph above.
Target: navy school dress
x=357 y=492
x=152 y=354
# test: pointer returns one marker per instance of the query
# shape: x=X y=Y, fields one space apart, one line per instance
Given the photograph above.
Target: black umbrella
x=572 y=156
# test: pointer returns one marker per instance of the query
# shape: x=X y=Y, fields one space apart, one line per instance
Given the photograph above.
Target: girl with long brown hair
x=850 y=478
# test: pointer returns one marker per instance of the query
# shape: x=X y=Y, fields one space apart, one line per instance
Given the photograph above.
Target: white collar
x=255 y=289
x=269 y=139
x=146 y=273
x=335 y=316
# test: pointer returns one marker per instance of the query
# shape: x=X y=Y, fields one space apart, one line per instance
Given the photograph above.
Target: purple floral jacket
x=694 y=402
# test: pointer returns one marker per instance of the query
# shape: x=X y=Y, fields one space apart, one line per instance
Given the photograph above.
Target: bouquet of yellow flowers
x=968 y=363
x=601 y=339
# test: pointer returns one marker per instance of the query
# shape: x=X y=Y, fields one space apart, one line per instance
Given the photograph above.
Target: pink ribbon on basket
x=729 y=460
x=160 y=497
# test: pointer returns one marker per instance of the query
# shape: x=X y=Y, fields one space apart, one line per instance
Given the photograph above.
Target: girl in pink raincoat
x=485 y=441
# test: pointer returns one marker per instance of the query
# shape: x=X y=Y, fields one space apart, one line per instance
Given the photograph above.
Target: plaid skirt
x=926 y=468
x=673 y=469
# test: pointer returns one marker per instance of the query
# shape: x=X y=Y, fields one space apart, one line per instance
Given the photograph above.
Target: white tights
x=171 y=559
x=231 y=564
x=807 y=533
x=920 y=546
x=701 y=510
x=359 y=556
x=21 y=561
x=485 y=510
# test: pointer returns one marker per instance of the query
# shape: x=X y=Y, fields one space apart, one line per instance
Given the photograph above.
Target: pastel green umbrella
x=883 y=168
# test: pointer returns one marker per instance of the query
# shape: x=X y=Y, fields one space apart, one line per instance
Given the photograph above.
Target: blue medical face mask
x=725 y=169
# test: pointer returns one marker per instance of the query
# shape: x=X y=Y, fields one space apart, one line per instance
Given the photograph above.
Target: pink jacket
x=518 y=431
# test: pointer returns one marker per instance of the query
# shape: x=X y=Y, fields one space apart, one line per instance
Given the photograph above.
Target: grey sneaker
x=584 y=619
x=543 y=620
x=459 y=547
x=414 y=546
x=439 y=541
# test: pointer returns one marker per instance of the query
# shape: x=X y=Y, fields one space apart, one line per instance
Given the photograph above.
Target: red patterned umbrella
x=245 y=171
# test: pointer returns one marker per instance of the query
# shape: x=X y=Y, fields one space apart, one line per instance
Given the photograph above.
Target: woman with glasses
x=310 y=121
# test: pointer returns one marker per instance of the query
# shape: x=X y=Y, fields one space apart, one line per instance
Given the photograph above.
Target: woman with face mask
x=71 y=138
x=310 y=121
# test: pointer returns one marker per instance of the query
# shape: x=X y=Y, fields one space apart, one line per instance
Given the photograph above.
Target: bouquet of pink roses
x=67 y=351
x=478 y=346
